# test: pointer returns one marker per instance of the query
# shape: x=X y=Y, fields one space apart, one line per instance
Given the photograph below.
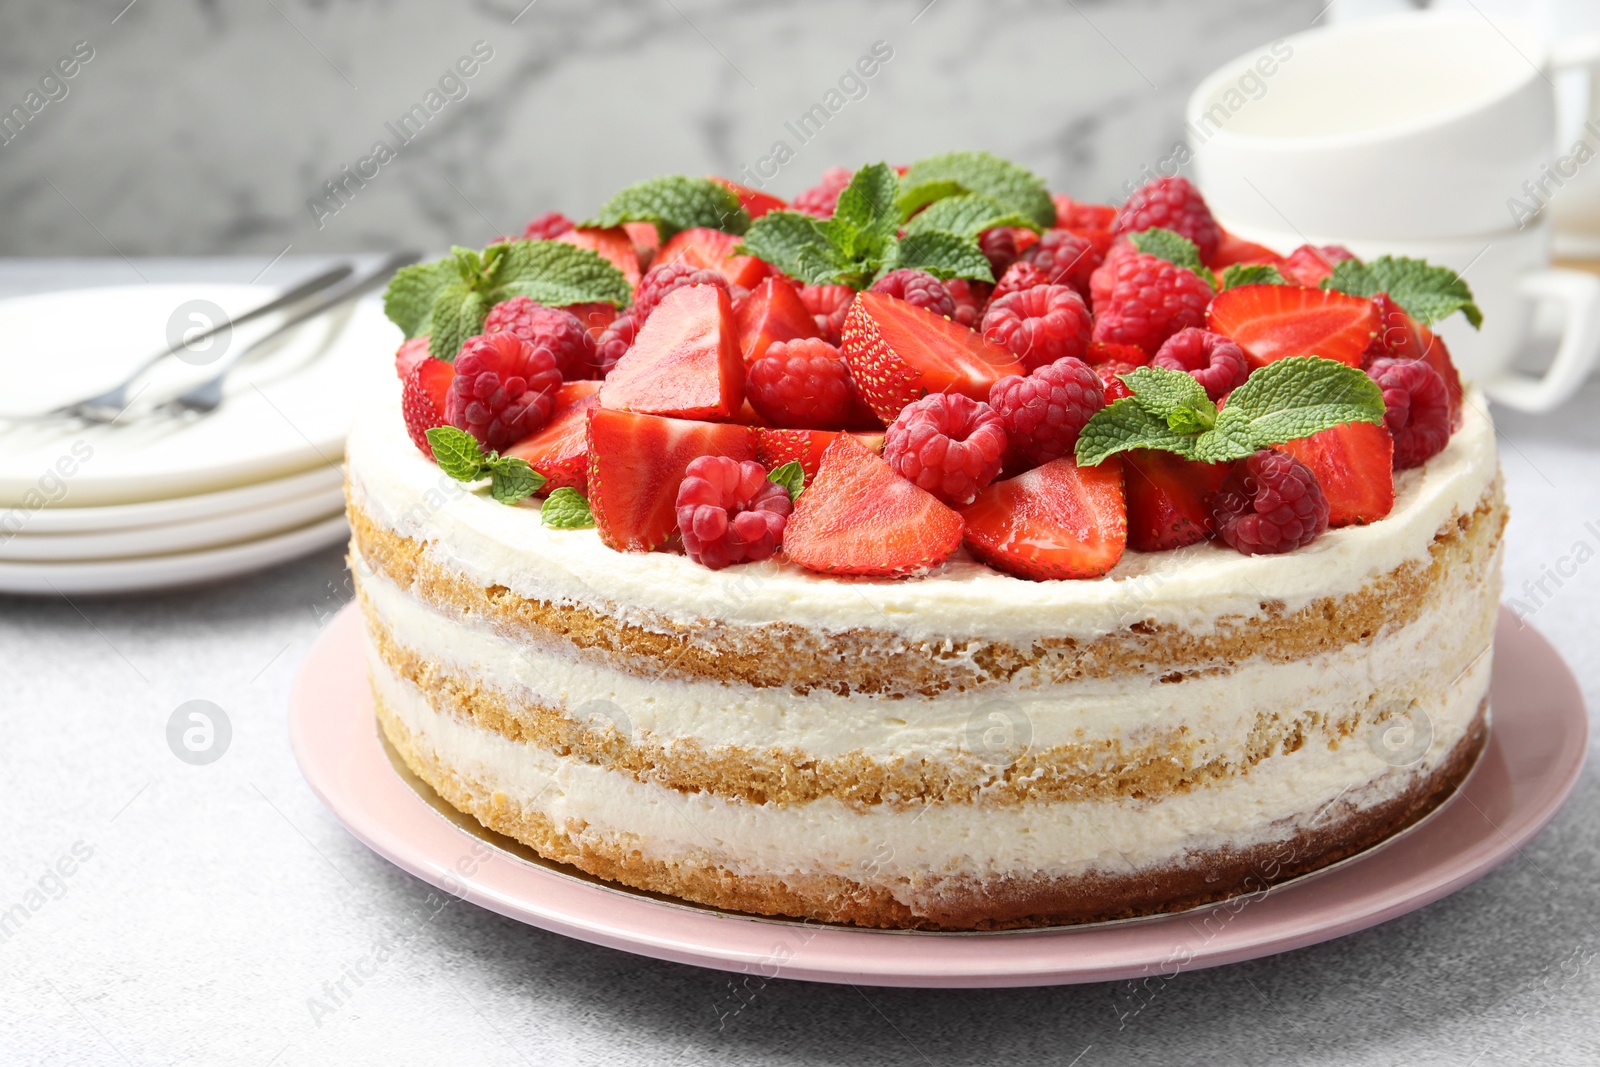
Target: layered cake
x=1033 y=563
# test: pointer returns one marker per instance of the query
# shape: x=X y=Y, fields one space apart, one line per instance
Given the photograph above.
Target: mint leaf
x=913 y=198
x=1289 y=399
x=511 y=479
x=1124 y=424
x=567 y=509
x=943 y=255
x=1174 y=248
x=409 y=298
x=457 y=452
x=967 y=215
x=1018 y=188
x=865 y=222
x=1427 y=293
x=555 y=274
x=1238 y=274
x=458 y=313
x=1164 y=392
x=794 y=244
x=791 y=476
x=674 y=203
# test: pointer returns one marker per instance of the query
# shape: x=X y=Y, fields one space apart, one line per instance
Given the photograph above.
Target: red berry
x=1354 y=464
x=547 y=227
x=611 y=243
x=1075 y=215
x=1308 y=264
x=804 y=384
x=1273 y=322
x=1019 y=276
x=1100 y=352
x=970 y=297
x=409 y=355
x=728 y=512
x=1104 y=277
x=1065 y=258
x=560 y=450
x=504 y=389
x=948 y=444
x=1215 y=362
x=822 y=198
x=1058 y=520
x=1044 y=412
x=772 y=312
x=542 y=327
x=1270 y=502
x=999 y=247
x=1039 y=325
x=1417 y=409
x=615 y=341
x=828 y=304
x=1171 y=204
x=423 y=399
x=667 y=277
x=1150 y=300
x=1111 y=372
x=919 y=288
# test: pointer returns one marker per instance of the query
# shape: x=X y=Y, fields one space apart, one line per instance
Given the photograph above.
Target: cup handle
x=1579 y=293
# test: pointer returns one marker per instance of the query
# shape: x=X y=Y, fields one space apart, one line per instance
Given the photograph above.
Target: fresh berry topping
x=729 y=512
x=667 y=277
x=899 y=353
x=1308 y=264
x=504 y=389
x=614 y=342
x=822 y=198
x=636 y=463
x=646 y=241
x=1039 y=325
x=1171 y=204
x=1273 y=322
x=1055 y=521
x=1150 y=300
x=775 y=447
x=999 y=247
x=409 y=355
x=685 y=362
x=828 y=304
x=551 y=328
x=560 y=451
x=1402 y=337
x=918 y=288
x=423 y=399
x=613 y=244
x=970 y=296
x=1019 y=276
x=1237 y=250
x=1111 y=372
x=1270 y=502
x=805 y=384
x=594 y=317
x=708 y=249
x=948 y=444
x=1131 y=355
x=1104 y=278
x=1065 y=258
x=1044 y=412
x=1214 y=361
x=772 y=312
x=547 y=227
x=858 y=517
x=1417 y=409
x=754 y=201
x=1075 y=215
x=1169 y=499
x=1354 y=464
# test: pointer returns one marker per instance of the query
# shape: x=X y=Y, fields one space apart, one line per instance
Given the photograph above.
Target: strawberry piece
x=859 y=517
x=685 y=362
x=1058 y=520
x=560 y=451
x=1104 y=352
x=636 y=463
x=772 y=312
x=1273 y=322
x=614 y=244
x=423 y=399
x=410 y=354
x=1231 y=250
x=1076 y=215
x=1354 y=464
x=899 y=353
x=1308 y=264
x=1405 y=338
x=595 y=317
x=707 y=249
x=776 y=447
x=1169 y=499
x=754 y=201
x=646 y=241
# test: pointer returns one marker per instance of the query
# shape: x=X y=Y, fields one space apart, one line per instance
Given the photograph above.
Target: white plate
x=212 y=532
x=51 y=520
x=288 y=409
x=164 y=572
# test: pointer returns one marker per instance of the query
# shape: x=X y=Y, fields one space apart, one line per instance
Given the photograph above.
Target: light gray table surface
x=218 y=903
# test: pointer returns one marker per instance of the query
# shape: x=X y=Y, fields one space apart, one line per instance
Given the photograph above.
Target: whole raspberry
x=1171 y=204
x=1270 y=502
x=949 y=444
x=1111 y=372
x=828 y=304
x=1039 y=325
x=822 y=198
x=1019 y=276
x=664 y=278
x=918 y=288
x=547 y=227
x=1065 y=258
x=614 y=342
x=1150 y=300
x=504 y=389
x=970 y=296
x=1105 y=275
x=1417 y=409
x=999 y=246
x=1044 y=412
x=1215 y=362
x=802 y=384
x=559 y=331
x=729 y=512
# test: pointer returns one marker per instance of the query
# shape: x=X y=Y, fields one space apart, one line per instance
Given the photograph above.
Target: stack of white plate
x=161 y=500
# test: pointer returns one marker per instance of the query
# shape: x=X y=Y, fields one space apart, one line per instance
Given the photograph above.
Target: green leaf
x=458 y=313
x=1163 y=391
x=674 y=203
x=1290 y=399
x=1018 y=188
x=554 y=273
x=511 y=479
x=791 y=476
x=1427 y=293
x=1174 y=248
x=458 y=453
x=567 y=509
x=912 y=198
x=943 y=255
x=1238 y=274
x=967 y=215
x=1124 y=424
x=865 y=221
x=794 y=244
x=409 y=299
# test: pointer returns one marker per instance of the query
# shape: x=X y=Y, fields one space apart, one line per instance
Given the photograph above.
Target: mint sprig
x=1237 y=274
x=460 y=456
x=967 y=215
x=1283 y=401
x=1427 y=293
x=791 y=476
x=952 y=173
x=1175 y=249
x=566 y=509
x=675 y=202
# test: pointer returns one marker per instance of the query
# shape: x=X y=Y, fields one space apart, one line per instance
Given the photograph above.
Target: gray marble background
x=205 y=126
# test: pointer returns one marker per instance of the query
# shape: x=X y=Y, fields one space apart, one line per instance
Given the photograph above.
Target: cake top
x=908 y=361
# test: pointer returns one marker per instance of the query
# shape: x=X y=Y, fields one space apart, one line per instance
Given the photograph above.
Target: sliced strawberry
x=1058 y=520
x=772 y=312
x=1075 y=215
x=774 y=447
x=1308 y=264
x=1169 y=499
x=685 y=362
x=646 y=241
x=1405 y=338
x=1231 y=250
x=595 y=317
x=560 y=451
x=1106 y=352
x=422 y=399
x=899 y=353
x=754 y=201
x=614 y=244
x=409 y=355
x=1273 y=322
x=859 y=517
x=1437 y=356
x=635 y=465
x=708 y=249
x=1024 y=238
x=1354 y=463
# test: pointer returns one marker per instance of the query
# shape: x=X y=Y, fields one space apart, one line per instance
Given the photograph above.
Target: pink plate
x=1535 y=753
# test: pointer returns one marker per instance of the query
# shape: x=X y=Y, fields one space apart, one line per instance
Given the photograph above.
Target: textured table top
x=212 y=911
